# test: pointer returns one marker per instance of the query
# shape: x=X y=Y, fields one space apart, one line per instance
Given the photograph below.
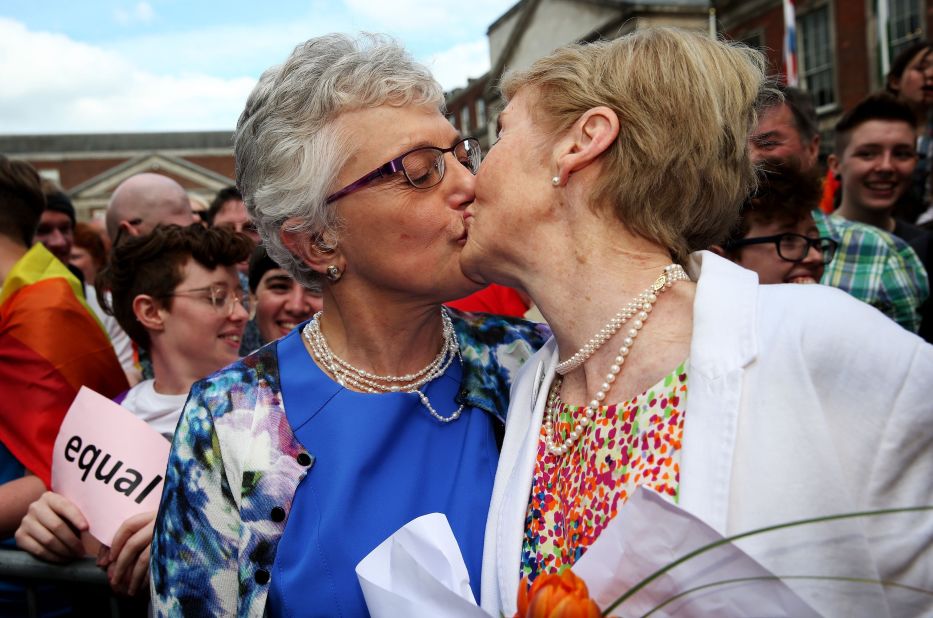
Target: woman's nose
x=462 y=182
x=239 y=313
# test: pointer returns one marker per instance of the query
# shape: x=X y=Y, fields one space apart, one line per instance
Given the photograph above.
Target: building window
x=905 y=25
x=816 y=59
x=465 y=120
x=480 y=113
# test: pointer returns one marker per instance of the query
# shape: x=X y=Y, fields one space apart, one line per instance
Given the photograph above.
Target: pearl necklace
x=645 y=301
x=360 y=379
x=638 y=307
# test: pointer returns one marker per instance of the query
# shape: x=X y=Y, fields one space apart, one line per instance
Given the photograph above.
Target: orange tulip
x=556 y=596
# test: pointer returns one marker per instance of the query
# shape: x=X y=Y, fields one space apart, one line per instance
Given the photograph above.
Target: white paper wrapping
x=419 y=571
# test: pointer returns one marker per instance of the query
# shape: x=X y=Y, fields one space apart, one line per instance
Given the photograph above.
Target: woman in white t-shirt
x=176 y=293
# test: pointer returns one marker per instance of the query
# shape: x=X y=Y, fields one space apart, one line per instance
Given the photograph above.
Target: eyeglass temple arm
x=742 y=242
x=389 y=168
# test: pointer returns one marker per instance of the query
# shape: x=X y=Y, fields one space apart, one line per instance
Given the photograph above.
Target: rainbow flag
x=50 y=345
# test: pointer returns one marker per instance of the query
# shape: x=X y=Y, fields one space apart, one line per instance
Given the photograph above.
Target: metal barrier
x=31 y=573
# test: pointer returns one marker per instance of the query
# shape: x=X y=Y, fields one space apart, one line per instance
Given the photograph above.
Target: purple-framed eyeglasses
x=423 y=167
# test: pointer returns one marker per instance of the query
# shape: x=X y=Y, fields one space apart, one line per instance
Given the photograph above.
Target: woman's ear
x=148 y=312
x=317 y=253
x=733 y=255
x=893 y=85
x=589 y=137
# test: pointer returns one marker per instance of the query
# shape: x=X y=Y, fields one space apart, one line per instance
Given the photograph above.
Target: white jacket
x=802 y=401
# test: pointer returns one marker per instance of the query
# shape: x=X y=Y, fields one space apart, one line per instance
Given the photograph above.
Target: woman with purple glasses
x=290 y=466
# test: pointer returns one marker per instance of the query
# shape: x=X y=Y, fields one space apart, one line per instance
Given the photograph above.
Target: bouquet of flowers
x=631 y=570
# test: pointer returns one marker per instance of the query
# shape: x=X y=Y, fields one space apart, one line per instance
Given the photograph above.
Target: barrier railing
x=32 y=573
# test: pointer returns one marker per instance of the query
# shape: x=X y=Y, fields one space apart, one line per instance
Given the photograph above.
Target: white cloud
x=249 y=49
x=453 y=66
x=142 y=13
x=60 y=85
x=199 y=79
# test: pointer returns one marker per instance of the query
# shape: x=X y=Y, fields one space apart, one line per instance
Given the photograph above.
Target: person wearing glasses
x=672 y=368
x=290 y=466
x=776 y=236
x=870 y=264
x=176 y=293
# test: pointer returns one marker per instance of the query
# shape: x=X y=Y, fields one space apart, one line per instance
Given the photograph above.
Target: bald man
x=145 y=200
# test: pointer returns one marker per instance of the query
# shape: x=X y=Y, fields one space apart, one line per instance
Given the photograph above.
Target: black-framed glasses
x=423 y=167
x=219 y=296
x=792 y=247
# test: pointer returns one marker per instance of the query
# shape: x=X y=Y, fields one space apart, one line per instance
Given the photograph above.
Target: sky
x=98 y=66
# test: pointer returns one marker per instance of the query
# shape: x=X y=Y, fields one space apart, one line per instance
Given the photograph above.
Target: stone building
x=531 y=29
x=839 y=45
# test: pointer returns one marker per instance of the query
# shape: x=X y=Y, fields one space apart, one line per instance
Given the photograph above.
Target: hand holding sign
x=127 y=561
x=51 y=529
x=108 y=463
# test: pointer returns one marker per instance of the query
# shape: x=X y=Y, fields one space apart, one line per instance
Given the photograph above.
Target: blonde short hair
x=679 y=170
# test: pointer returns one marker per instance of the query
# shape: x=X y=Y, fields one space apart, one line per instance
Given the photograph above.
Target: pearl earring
x=555 y=181
x=333 y=273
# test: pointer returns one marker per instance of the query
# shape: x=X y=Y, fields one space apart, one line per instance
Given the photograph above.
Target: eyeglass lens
x=425 y=167
x=223 y=299
x=795 y=248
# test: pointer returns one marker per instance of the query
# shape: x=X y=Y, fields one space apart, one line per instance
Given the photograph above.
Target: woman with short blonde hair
x=670 y=367
x=671 y=146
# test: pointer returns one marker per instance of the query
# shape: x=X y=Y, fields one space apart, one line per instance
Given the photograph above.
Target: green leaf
x=725 y=582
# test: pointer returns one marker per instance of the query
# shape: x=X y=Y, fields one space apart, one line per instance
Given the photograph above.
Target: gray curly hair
x=288 y=145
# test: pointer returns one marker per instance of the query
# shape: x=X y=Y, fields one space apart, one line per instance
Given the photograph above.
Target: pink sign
x=108 y=462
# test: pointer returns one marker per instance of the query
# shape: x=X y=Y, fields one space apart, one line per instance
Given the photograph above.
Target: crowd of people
x=338 y=344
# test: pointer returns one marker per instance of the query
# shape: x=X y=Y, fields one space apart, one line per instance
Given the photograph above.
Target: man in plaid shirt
x=871 y=265
x=876 y=267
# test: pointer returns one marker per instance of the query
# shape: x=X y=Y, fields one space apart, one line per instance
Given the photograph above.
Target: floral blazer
x=235 y=466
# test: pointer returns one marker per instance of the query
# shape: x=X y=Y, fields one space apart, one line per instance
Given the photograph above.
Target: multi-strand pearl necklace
x=362 y=380
x=639 y=307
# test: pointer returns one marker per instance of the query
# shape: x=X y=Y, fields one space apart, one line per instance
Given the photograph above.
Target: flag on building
x=790 y=42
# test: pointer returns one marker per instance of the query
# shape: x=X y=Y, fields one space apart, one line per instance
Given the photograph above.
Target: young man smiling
x=875 y=155
x=870 y=264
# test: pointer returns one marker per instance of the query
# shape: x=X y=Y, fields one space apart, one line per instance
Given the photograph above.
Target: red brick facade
x=852 y=32
x=89 y=167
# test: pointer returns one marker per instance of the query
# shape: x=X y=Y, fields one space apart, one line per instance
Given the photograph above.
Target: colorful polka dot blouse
x=575 y=495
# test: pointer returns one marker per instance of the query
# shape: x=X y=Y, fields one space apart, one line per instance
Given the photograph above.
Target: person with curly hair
x=176 y=293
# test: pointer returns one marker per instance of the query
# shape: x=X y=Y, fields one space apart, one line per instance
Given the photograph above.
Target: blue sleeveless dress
x=380 y=461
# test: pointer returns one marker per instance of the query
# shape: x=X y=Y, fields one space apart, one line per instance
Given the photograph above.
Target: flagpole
x=883 y=37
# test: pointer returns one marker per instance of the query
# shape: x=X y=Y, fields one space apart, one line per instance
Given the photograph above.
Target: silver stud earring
x=555 y=181
x=333 y=273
